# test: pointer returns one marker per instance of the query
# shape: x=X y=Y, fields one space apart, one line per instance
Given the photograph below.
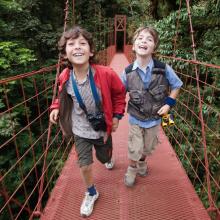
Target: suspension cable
x=39 y=204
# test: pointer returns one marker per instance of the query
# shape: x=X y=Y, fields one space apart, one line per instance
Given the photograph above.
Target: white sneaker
x=87 y=204
x=109 y=165
x=130 y=176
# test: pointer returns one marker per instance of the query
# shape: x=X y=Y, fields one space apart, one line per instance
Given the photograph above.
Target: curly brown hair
x=74 y=33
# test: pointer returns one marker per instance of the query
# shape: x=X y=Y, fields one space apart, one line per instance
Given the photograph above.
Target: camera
x=97 y=121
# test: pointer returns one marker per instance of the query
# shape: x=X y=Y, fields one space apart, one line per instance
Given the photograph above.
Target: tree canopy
x=29 y=30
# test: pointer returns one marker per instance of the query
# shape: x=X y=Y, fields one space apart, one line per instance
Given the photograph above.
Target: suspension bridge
x=41 y=167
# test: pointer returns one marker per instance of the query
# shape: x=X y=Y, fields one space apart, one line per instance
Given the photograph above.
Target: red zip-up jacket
x=112 y=90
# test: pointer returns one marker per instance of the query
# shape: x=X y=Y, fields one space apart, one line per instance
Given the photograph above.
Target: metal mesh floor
x=164 y=194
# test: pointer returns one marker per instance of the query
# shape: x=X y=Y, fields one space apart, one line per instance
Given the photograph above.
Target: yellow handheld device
x=167 y=119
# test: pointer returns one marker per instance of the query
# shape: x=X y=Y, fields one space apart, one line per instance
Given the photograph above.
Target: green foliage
x=8 y=123
x=10 y=6
x=35 y=28
x=29 y=31
x=206 y=35
x=13 y=56
x=209 y=46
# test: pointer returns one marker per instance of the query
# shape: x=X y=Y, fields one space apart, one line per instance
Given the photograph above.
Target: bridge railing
x=31 y=154
x=105 y=56
x=196 y=133
x=128 y=53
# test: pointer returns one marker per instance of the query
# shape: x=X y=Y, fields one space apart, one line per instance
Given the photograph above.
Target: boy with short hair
x=147 y=81
x=91 y=103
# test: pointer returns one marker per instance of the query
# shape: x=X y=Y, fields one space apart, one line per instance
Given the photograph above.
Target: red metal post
x=120 y=25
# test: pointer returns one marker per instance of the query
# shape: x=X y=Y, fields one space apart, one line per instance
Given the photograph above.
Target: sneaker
x=87 y=204
x=109 y=165
x=130 y=176
x=142 y=168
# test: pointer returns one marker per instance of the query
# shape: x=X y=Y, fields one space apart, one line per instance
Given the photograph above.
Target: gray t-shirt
x=80 y=125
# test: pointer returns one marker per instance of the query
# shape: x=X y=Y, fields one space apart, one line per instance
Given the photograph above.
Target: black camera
x=97 y=121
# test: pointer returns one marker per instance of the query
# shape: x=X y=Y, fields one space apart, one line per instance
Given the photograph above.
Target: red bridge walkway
x=165 y=194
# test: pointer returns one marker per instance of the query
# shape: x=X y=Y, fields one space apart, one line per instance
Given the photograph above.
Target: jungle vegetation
x=30 y=29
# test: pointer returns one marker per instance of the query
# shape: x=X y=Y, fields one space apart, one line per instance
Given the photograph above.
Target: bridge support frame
x=120 y=26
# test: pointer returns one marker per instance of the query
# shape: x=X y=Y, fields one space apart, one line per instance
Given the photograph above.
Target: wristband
x=170 y=101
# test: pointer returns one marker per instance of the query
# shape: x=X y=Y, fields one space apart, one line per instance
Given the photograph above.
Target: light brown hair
x=151 y=30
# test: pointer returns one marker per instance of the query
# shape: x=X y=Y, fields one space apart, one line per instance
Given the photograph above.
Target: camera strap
x=93 y=89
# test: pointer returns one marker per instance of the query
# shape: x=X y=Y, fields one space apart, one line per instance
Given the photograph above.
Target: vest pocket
x=136 y=97
x=158 y=93
x=155 y=109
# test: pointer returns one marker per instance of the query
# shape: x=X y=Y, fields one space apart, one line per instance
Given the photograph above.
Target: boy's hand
x=54 y=116
x=115 y=123
x=164 y=110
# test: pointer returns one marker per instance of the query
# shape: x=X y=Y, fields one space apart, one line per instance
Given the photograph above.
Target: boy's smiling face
x=78 y=51
x=144 y=44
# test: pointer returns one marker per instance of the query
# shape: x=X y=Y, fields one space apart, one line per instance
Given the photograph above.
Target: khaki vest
x=144 y=103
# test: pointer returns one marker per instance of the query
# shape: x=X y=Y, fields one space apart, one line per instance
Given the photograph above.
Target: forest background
x=30 y=29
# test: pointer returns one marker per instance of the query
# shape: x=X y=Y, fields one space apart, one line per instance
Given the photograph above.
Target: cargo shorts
x=84 y=148
x=141 y=141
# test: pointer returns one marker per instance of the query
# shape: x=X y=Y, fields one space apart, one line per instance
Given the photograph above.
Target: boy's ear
x=91 y=54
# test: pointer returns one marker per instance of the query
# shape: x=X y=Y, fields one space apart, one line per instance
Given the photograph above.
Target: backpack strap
x=159 y=67
x=128 y=69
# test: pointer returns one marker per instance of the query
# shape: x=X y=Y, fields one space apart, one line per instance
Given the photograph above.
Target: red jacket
x=112 y=90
